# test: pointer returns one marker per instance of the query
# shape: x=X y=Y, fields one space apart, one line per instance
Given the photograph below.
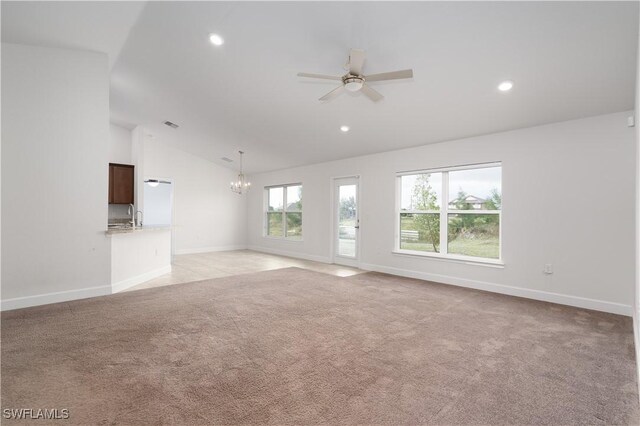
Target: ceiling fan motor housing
x=353 y=83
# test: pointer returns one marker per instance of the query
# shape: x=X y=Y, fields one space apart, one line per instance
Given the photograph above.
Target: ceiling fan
x=355 y=81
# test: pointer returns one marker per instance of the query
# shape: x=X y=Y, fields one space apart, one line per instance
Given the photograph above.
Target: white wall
x=207 y=215
x=119 y=144
x=568 y=199
x=55 y=142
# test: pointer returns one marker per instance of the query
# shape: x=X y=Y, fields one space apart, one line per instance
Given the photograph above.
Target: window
x=453 y=213
x=284 y=211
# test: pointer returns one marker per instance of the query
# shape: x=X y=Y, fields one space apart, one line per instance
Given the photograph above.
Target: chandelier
x=241 y=185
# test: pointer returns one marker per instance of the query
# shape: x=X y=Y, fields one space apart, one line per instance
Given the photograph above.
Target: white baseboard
x=84 y=293
x=47 y=298
x=321 y=259
x=210 y=249
x=563 y=299
x=139 y=279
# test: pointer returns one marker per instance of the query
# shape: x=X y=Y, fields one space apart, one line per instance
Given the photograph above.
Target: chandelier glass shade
x=241 y=184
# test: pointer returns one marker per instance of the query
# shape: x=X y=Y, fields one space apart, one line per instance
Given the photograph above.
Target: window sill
x=293 y=240
x=491 y=263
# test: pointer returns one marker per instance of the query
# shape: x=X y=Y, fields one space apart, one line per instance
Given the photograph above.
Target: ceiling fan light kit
x=353 y=84
x=355 y=81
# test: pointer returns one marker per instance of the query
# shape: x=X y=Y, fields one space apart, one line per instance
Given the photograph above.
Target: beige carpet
x=301 y=347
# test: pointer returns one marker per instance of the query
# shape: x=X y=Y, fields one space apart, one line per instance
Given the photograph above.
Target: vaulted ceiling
x=568 y=60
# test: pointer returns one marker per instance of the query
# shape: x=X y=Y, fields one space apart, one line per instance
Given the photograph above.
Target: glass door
x=346 y=221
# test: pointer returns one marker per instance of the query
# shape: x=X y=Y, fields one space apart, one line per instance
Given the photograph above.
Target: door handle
x=357 y=226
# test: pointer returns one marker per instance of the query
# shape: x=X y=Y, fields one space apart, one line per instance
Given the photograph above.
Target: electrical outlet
x=548 y=269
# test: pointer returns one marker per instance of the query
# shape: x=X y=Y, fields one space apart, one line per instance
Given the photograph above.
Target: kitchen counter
x=130 y=230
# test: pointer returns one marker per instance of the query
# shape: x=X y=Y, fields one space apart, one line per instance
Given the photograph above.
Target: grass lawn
x=417 y=246
x=477 y=247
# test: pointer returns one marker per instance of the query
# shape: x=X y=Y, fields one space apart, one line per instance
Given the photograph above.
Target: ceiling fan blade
x=322 y=76
x=393 y=75
x=356 y=60
x=370 y=93
x=332 y=94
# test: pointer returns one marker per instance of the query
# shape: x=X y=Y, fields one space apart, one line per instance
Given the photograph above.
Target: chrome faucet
x=132 y=211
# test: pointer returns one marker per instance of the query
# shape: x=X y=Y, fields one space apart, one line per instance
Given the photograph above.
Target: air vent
x=228 y=160
x=172 y=125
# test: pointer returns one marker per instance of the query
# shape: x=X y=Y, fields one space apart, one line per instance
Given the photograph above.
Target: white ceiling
x=568 y=60
x=97 y=26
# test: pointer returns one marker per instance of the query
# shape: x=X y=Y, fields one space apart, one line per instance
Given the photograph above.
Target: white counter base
x=137 y=257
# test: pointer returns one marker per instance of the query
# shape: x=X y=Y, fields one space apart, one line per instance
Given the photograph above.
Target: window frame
x=283 y=214
x=444 y=213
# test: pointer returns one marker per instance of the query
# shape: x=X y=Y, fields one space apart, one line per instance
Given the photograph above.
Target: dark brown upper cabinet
x=121 y=183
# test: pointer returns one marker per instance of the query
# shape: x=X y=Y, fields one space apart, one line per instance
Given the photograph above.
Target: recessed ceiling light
x=344 y=128
x=216 y=40
x=505 y=86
